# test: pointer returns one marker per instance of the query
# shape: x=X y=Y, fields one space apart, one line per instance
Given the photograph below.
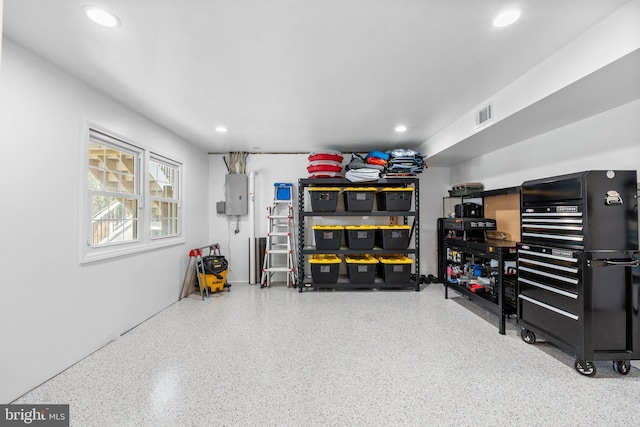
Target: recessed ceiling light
x=400 y=128
x=506 y=18
x=221 y=129
x=101 y=16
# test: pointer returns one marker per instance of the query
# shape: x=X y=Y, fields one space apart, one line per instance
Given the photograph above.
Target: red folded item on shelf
x=324 y=168
x=376 y=161
x=325 y=156
x=325 y=175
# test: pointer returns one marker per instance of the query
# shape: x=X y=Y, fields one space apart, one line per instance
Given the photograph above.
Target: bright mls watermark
x=34 y=415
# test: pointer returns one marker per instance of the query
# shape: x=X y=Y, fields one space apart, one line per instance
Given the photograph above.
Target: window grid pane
x=114 y=219
x=163 y=189
x=114 y=197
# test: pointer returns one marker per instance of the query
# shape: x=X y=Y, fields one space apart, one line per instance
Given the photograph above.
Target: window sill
x=116 y=252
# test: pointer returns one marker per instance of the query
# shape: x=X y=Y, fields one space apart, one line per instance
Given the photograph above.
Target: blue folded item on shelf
x=405 y=161
x=402 y=152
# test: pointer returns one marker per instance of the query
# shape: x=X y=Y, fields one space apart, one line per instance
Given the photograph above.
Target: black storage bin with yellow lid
x=395 y=268
x=360 y=236
x=394 y=198
x=361 y=268
x=324 y=268
x=359 y=199
x=328 y=237
x=324 y=199
x=393 y=236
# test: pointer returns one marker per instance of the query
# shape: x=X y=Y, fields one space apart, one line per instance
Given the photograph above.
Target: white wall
x=269 y=169
x=1 y=12
x=607 y=41
x=272 y=168
x=610 y=140
x=54 y=311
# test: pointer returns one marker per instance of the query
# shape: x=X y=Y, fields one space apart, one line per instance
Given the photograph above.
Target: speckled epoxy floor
x=256 y=357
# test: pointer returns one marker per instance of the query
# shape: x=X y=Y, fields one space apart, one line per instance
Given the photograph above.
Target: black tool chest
x=578 y=275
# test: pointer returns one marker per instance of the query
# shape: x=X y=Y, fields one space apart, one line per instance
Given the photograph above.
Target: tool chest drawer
x=558 y=269
x=566 y=301
x=553 y=225
x=551 y=320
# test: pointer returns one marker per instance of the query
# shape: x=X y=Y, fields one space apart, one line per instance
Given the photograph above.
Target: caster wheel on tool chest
x=622 y=366
x=587 y=369
x=527 y=336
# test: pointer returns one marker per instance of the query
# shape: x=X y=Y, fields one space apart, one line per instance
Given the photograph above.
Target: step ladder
x=280 y=255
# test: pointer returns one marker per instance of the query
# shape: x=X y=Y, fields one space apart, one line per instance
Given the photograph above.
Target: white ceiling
x=300 y=75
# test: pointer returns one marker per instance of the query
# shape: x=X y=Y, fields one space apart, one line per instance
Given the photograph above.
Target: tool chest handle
x=606 y=262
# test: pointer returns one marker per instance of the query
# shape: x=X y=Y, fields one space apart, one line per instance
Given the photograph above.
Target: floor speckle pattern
x=277 y=357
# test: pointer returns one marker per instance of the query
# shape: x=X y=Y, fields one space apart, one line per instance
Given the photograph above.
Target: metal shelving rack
x=497 y=303
x=304 y=251
x=499 y=250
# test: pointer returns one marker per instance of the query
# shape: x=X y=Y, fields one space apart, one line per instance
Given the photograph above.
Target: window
x=132 y=198
x=164 y=193
x=113 y=191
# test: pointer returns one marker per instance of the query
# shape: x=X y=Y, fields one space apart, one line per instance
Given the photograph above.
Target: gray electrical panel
x=236 y=194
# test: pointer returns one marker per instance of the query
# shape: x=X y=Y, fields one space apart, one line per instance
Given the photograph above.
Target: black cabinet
x=306 y=218
x=578 y=268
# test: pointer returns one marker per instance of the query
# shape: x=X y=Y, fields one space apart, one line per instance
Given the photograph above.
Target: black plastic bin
x=395 y=268
x=360 y=236
x=393 y=236
x=324 y=268
x=394 y=199
x=361 y=268
x=324 y=199
x=359 y=199
x=328 y=237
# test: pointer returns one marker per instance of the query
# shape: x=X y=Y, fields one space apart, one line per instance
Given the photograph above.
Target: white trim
x=144 y=242
x=153 y=156
x=111 y=253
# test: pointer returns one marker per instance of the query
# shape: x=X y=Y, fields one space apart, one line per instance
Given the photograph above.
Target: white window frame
x=144 y=241
x=178 y=189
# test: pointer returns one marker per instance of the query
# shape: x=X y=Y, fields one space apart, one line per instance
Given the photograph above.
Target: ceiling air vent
x=484 y=115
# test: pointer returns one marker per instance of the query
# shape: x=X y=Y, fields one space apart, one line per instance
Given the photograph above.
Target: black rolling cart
x=358 y=209
x=578 y=273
